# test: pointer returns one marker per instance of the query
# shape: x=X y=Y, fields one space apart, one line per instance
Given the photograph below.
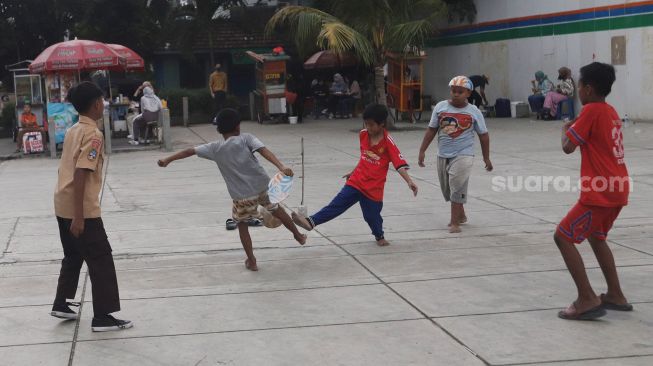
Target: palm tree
x=366 y=28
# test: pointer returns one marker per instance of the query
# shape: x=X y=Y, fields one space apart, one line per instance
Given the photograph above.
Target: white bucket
x=120 y=125
x=293 y=120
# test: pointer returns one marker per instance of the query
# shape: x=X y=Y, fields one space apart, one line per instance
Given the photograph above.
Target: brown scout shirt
x=83 y=148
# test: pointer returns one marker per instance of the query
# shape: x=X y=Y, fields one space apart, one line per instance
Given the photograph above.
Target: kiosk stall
x=405 y=88
x=269 y=98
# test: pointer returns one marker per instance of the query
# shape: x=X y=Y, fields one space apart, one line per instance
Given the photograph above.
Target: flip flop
x=231 y=224
x=616 y=307
x=570 y=313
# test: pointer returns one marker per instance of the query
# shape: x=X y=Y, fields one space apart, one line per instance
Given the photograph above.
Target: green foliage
x=367 y=28
x=7 y=119
x=199 y=100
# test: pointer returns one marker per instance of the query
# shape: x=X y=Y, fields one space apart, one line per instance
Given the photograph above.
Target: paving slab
x=252 y=311
x=235 y=278
x=33 y=325
x=537 y=336
x=516 y=292
x=400 y=267
x=54 y=354
x=621 y=361
x=416 y=342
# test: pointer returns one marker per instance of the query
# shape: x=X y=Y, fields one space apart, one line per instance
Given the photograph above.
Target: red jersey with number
x=604 y=177
x=372 y=169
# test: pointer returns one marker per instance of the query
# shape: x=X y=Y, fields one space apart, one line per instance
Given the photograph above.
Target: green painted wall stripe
x=635 y=21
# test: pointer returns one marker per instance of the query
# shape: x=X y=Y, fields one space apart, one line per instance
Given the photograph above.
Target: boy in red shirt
x=604 y=191
x=366 y=182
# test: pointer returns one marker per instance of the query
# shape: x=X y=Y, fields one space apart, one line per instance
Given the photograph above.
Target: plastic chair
x=566 y=109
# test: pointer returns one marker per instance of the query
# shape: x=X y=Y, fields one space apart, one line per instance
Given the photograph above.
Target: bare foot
x=609 y=298
x=251 y=264
x=583 y=310
x=382 y=243
x=301 y=239
x=301 y=221
x=453 y=229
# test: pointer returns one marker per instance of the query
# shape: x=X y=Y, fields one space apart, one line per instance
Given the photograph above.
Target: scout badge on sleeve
x=279 y=187
x=95 y=145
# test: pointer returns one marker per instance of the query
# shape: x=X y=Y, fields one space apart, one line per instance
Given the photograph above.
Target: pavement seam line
x=32 y=344
x=86 y=276
x=422 y=313
x=294 y=289
x=10 y=238
x=574 y=360
x=252 y=330
x=77 y=322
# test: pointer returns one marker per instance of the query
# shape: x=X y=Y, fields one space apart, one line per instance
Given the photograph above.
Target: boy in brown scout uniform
x=77 y=207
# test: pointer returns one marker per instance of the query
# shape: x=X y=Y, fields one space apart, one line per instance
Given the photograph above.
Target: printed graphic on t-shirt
x=372 y=157
x=454 y=124
x=618 y=139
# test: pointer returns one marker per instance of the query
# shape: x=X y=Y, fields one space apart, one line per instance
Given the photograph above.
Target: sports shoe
x=133 y=142
x=62 y=311
x=107 y=323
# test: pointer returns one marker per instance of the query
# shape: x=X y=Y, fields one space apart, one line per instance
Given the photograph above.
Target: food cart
x=28 y=90
x=269 y=98
x=405 y=88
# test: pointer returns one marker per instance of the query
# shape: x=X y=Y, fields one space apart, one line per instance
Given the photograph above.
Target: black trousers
x=219 y=98
x=93 y=248
x=475 y=99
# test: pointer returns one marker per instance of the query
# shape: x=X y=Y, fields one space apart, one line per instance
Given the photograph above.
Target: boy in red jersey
x=604 y=191
x=366 y=182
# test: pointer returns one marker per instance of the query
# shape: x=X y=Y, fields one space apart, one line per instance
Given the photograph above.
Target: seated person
x=356 y=96
x=541 y=86
x=339 y=95
x=320 y=92
x=150 y=108
x=28 y=123
x=563 y=91
x=139 y=91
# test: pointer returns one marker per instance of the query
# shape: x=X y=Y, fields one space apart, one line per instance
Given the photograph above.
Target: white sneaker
x=130 y=136
x=133 y=142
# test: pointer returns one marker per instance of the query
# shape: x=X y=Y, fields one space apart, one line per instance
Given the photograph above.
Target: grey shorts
x=453 y=174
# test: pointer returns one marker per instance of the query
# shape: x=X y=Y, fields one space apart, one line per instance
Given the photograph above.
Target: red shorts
x=584 y=221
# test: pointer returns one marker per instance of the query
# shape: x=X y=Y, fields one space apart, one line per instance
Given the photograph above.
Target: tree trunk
x=379 y=85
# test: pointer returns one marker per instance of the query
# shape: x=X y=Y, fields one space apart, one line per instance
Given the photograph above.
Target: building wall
x=510 y=52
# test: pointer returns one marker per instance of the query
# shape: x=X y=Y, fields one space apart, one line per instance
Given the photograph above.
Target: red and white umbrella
x=77 y=55
x=132 y=59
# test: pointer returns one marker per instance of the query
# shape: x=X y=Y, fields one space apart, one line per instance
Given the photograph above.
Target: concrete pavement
x=487 y=296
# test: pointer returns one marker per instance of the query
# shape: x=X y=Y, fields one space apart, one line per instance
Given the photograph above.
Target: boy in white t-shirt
x=454 y=122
